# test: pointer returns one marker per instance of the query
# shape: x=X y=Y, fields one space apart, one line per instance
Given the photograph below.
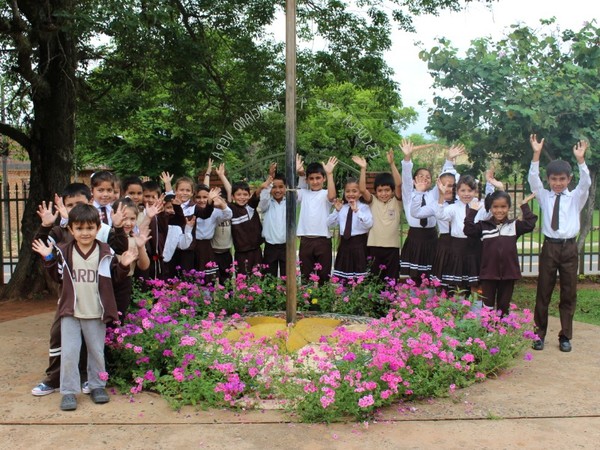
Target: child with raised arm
x=500 y=268
x=383 y=243
x=273 y=207
x=418 y=250
x=103 y=188
x=222 y=241
x=355 y=220
x=315 y=251
x=85 y=266
x=560 y=209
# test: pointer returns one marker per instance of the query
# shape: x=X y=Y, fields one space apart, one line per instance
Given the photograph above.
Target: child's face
x=84 y=233
x=103 y=193
x=423 y=176
x=315 y=181
x=351 y=192
x=168 y=208
x=129 y=220
x=384 y=193
x=201 y=198
x=448 y=182
x=134 y=192
x=559 y=182
x=499 y=209
x=278 y=190
x=241 y=197
x=150 y=197
x=74 y=200
x=465 y=193
x=184 y=191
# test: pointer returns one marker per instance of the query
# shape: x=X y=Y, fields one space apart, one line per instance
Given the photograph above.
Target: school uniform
x=221 y=244
x=185 y=259
x=351 y=258
x=500 y=268
x=418 y=251
x=246 y=232
x=105 y=213
x=315 y=236
x=274 y=232
x=383 y=243
x=559 y=251
x=204 y=231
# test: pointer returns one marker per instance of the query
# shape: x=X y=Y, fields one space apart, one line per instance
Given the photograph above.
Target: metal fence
x=12 y=204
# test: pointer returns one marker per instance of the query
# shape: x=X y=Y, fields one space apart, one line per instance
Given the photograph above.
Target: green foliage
x=531 y=81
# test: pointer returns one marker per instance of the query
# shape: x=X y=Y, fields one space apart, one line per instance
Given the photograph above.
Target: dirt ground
x=550 y=402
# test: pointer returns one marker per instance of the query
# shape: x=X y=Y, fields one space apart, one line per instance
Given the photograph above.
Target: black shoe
x=100 y=395
x=68 y=402
x=564 y=345
x=538 y=345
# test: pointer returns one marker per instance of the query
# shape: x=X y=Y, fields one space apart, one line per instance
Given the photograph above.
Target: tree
x=216 y=58
x=532 y=81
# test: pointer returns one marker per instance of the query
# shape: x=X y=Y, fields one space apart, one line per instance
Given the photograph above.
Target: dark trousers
x=274 y=258
x=224 y=260
x=385 y=262
x=497 y=294
x=562 y=259
x=247 y=260
x=315 y=250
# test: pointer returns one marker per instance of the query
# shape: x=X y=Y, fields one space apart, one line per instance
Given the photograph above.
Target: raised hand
x=41 y=248
x=527 y=199
x=129 y=257
x=267 y=182
x=579 y=150
x=118 y=215
x=214 y=194
x=272 y=169
x=167 y=179
x=475 y=204
x=60 y=206
x=353 y=204
x=443 y=190
x=421 y=185
x=489 y=177
x=407 y=148
x=330 y=165
x=299 y=165
x=190 y=221
x=360 y=161
x=209 y=168
x=155 y=209
x=535 y=145
x=338 y=203
x=141 y=237
x=390 y=157
x=455 y=151
x=220 y=170
x=46 y=215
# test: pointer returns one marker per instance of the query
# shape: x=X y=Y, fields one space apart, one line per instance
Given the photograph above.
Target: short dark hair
x=279 y=176
x=129 y=181
x=201 y=187
x=169 y=198
x=315 y=167
x=558 y=167
x=419 y=169
x=469 y=180
x=240 y=185
x=125 y=201
x=151 y=186
x=84 y=213
x=73 y=189
x=384 y=179
x=490 y=198
x=101 y=177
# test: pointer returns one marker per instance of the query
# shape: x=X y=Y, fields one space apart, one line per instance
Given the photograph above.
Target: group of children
x=112 y=232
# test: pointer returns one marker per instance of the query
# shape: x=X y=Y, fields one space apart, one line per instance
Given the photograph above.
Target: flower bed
x=175 y=342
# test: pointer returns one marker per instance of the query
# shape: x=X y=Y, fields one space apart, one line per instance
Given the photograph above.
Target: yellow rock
x=295 y=341
x=311 y=321
x=269 y=330
x=259 y=320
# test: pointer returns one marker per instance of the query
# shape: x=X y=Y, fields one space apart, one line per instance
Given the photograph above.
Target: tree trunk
x=51 y=147
x=586 y=220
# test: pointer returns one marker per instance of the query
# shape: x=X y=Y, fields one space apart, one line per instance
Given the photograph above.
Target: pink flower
x=103 y=376
x=178 y=374
x=137 y=349
x=366 y=401
x=528 y=356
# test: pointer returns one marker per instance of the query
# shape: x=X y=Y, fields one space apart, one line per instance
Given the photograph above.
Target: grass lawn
x=588 y=300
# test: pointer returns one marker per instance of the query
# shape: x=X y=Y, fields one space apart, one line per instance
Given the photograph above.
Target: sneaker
x=85 y=388
x=538 y=345
x=564 y=344
x=42 y=389
x=68 y=402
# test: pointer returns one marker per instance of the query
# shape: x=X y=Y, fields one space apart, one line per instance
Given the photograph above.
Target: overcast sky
x=477 y=20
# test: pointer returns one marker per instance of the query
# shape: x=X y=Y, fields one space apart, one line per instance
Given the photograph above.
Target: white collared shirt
x=274 y=217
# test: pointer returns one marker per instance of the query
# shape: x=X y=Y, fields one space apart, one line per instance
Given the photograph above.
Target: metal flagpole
x=290 y=158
